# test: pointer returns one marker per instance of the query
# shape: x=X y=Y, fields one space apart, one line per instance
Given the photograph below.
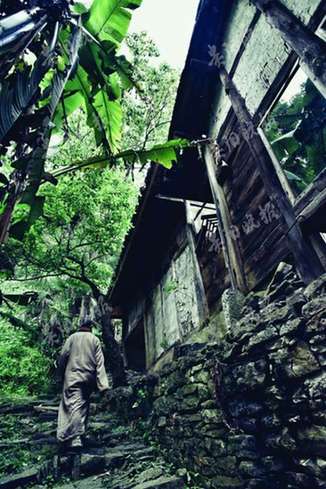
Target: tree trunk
x=113 y=355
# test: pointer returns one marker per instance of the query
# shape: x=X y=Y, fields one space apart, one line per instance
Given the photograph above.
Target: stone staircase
x=115 y=455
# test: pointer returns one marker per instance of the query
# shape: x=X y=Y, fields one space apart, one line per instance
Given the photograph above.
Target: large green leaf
x=35 y=162
x=285 y=145
x=164 y=154
x=80 y=84
x=70 y=102
x=109 y=20
x=292 y=176
x=105 y=57
x=110 y=112
x=19 y=229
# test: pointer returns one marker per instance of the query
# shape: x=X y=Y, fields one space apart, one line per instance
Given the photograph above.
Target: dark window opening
x=296 y=130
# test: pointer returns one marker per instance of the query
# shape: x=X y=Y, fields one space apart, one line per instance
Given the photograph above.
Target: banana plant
x=56 y=56
x=165 y=154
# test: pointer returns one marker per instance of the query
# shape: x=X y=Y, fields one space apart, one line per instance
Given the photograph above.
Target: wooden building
x=251 y=195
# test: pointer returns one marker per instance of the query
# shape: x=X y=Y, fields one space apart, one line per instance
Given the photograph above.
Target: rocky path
x=115 y=456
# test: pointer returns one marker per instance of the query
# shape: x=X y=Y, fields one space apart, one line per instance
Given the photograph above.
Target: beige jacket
x=82 y=361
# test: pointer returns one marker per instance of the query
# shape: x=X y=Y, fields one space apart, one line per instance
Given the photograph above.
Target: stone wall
x=249 y=412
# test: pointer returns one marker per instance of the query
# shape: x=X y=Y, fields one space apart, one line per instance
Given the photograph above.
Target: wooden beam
x=307 y=262
x=231 y=251
x=310 y=48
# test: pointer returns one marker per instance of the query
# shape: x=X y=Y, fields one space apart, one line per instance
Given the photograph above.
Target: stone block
x=232 y=303
x=250 y=469
x=186 y=390
x=162 y=422
x=291 y=326
x=162 y=483
x=312 y=440
x=282 y=440
x=302 y=361
x=216 y=432
x=316 y=467
x=218 y=448
x=316 y=288
x=212 y=416
x=209 y=404
x=268 y=334
x=165 y=406
x=20 y=480
x=243 y=446
x=174 y=381
x=199 y=377
x=223 y=482
x=246 y=377
x=226 y=465
x=314 y=307
x=189 y=403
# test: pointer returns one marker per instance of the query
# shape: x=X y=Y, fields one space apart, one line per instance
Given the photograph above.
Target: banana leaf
x=35 y=163
x=110 y=112
x=164 y=154
x=108 y=20
x=16 y=96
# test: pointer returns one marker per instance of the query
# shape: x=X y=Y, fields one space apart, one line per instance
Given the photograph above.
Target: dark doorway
x=135 y=348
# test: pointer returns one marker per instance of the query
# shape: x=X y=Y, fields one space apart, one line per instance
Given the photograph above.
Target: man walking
x=81 y=364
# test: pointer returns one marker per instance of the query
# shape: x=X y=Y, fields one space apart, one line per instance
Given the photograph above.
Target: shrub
x=24 y=369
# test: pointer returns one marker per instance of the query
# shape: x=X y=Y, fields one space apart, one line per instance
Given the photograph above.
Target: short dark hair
x=87 y=324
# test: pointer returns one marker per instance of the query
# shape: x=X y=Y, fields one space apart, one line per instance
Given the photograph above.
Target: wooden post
x=199 y=284
x=231 y=251
x=307 y=262
x=310 y=48
x=76 y=461
x=56 y=467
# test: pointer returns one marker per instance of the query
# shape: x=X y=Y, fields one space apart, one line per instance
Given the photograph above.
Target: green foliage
x=83 y=227
x=74 y=231
x=297 y=132
x=147 y=114
x=171 y=286
x=108 y=20
x=72 y=73
x=165 y=154
x=23 y=368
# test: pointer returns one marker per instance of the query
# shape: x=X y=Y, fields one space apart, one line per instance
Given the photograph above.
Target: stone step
x=131 y=447
x=113 y=456
x=20 y=480
x=162 y=482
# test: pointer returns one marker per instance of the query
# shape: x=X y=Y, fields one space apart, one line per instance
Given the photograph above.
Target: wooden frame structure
x=214 y=101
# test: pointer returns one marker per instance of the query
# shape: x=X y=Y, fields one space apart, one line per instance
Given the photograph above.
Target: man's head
x=86 y=325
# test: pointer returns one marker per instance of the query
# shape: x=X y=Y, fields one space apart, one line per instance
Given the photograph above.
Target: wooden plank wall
x=262 y=244
x=265 y=245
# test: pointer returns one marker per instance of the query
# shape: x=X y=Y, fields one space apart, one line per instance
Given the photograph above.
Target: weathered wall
x=250 y=412
x=254 y=53
x=263 y=53
x=172 y=309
